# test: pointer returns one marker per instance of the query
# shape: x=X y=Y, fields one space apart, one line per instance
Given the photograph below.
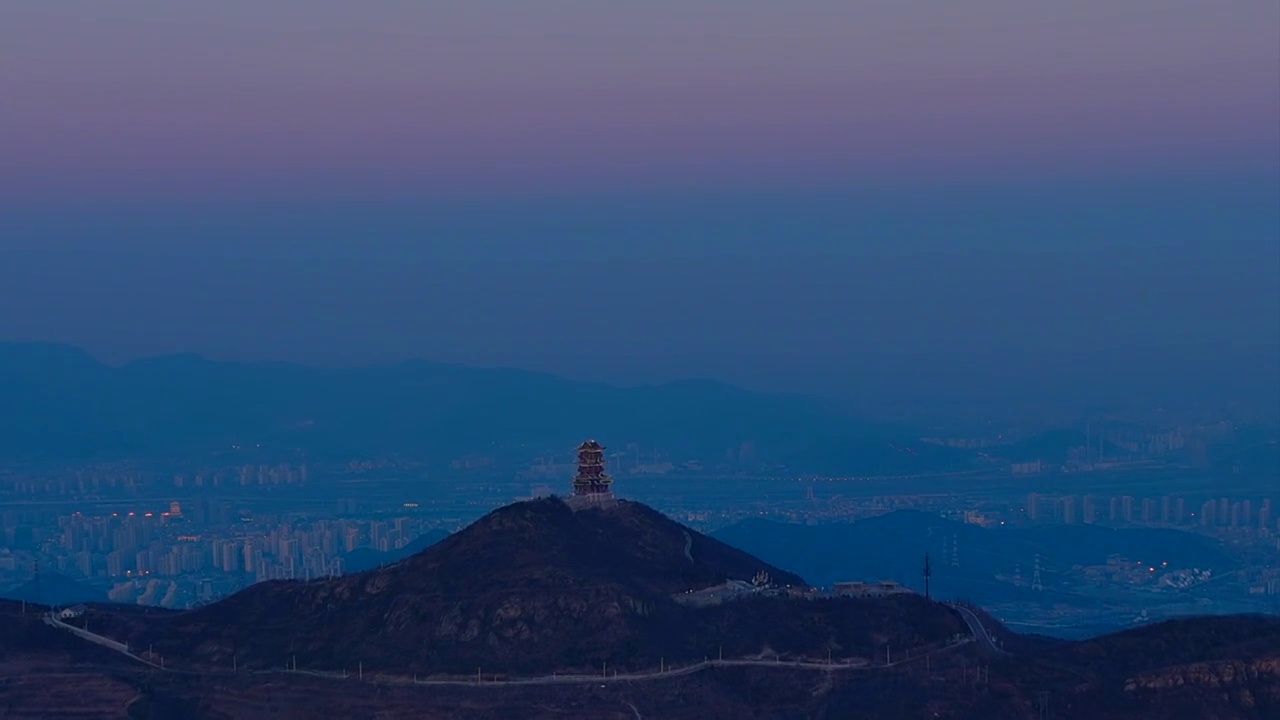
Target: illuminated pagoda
x=592 y=484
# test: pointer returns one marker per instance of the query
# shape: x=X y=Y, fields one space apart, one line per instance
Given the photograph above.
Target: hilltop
x=536 y=587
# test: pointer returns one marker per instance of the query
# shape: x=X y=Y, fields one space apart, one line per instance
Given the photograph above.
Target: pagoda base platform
x=591 y=500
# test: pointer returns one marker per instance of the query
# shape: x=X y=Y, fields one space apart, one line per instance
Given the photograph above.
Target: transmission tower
x=1017 y=575
x=1035 y=578
x=955 y=552
x=928 y=573
x=35 y=581
x=1042 y=700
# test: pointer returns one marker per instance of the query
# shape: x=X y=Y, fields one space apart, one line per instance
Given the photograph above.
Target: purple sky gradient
x=789 y=194
x=132 y=99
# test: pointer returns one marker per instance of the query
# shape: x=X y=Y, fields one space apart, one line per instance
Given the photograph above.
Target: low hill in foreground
x=1220 y=668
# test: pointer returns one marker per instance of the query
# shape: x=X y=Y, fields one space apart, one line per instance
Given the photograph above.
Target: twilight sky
x=694 y=185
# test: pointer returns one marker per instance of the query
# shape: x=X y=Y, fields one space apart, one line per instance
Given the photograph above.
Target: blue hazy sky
x=640 y=190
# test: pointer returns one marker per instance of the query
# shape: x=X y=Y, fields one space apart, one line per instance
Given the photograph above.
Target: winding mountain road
x=978 y=630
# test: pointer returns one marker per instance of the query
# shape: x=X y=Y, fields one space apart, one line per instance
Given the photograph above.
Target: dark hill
x=970 y=561
x=1181 y=641
x=1190 y=669
x=891 y=545
x=536 y=587
x=57 y=589
x=1222 y=667
x=363 y=559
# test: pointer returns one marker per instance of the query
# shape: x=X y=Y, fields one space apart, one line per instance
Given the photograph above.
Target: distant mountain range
x=61 y=403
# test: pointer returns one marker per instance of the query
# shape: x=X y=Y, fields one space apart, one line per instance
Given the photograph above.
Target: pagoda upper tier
x=591 y=478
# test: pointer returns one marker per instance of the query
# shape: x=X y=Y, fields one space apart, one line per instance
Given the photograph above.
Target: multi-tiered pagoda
x=591 y=480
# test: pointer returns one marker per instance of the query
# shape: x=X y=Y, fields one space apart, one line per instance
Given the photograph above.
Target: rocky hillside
x=535 y=587
x=1190 y=669
x=1209 y=667
x=1223 y=668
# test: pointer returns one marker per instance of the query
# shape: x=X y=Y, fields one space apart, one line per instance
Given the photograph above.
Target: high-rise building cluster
x=1217 y=513
x=165 y=558
x=116 y=481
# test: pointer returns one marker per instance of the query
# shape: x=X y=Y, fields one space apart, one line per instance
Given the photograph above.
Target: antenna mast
x=928 y=573
x=36 y=582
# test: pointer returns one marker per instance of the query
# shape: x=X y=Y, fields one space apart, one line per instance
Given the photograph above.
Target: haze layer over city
x=975 y=305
